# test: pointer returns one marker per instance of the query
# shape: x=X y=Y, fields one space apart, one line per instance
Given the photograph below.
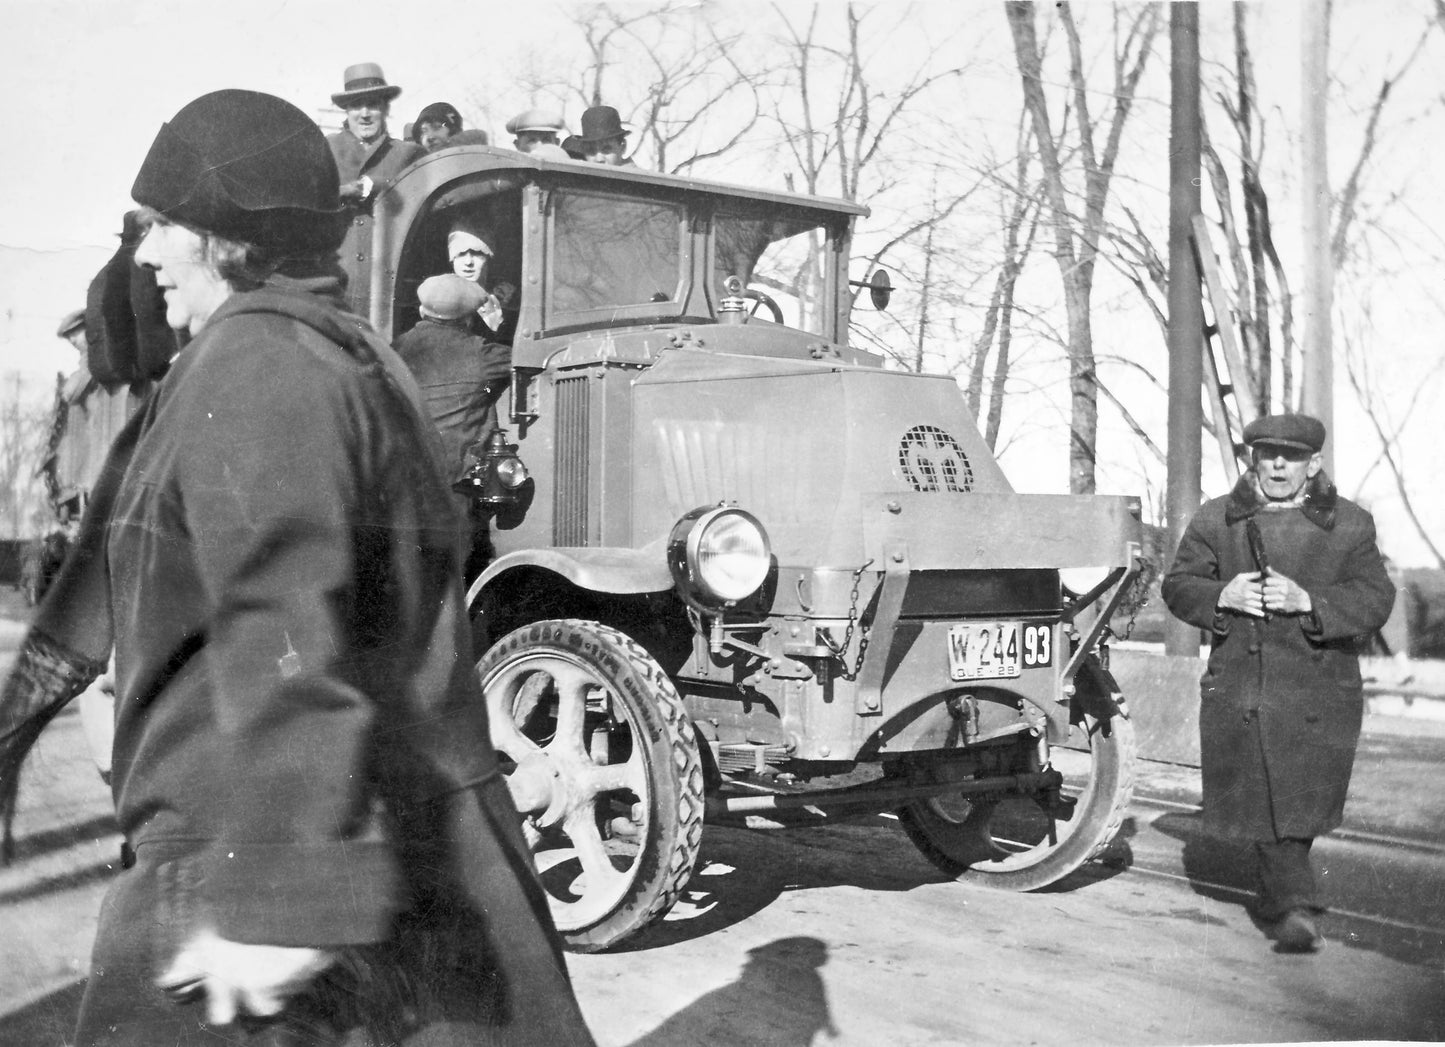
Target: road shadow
x=1223 y=870
x=780 y=979
x=740 y=872
x=47 y=1022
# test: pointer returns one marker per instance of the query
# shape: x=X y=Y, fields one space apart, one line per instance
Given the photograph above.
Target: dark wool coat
x=381 y=161
x=461 y=377
x=1281 y=700
x=301 y=753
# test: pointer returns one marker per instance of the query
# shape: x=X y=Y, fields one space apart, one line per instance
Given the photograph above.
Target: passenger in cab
x=535 y=127
x=439 y=126
x=470 y=255
x=603 y=139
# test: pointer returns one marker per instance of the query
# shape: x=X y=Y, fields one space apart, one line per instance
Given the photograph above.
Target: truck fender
x=600 y=570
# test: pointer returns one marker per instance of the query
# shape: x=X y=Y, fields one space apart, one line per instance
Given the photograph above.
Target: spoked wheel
x=602 y=762
x=1023 y=843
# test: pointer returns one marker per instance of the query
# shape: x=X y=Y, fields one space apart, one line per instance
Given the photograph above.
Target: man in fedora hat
x=535 y=127
x=603 y=139
x=1285 y=576
x=367 y=160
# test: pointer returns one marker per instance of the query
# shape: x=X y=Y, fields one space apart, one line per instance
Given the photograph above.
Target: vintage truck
x=742 y=570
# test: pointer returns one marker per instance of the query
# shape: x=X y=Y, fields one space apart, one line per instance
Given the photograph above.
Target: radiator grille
x=932 y=460
x=569 y=498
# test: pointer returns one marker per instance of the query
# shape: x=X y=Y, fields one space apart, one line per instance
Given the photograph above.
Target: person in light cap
x=462 y=375
x=1285 y=577
x=319 y=847
x=535 y=127
x=470 y=255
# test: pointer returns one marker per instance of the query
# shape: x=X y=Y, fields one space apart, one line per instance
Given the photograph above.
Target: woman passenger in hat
x=319 y=848
x=470 y=255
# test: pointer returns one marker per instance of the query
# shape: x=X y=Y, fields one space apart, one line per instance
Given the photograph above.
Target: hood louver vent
x=932 y=460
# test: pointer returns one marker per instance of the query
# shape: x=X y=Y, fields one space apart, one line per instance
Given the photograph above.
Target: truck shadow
x=741 y=872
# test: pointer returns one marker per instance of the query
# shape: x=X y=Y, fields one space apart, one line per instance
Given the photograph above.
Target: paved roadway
x=844 y=935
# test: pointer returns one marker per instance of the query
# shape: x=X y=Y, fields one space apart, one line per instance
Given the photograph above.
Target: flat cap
x=536 y=120
x=449 y=297
x=1287 y=430
x=73 y=319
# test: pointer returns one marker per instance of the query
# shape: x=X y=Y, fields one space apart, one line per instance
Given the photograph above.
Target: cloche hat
x=1299 y=431
x=364 y=80
x=437 y=113
x=246 y=166
x=449 y=297
x=459 y=240
x=601 y=122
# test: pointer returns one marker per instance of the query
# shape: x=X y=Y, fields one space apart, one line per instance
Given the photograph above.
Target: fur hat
x=459 y=240
x=1299 y=431
x=364 y=80
x=449 y=297
x=246 y=166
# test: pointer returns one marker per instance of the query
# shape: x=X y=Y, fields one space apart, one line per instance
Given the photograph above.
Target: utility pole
x=1186 y=308
x=1317 y=385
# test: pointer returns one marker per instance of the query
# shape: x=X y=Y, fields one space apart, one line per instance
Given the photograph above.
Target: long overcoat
x=301 y=753
x=1281 y=699
x=381 y=161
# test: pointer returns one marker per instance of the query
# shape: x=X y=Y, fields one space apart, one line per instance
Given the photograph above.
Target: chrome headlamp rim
x=685 y=548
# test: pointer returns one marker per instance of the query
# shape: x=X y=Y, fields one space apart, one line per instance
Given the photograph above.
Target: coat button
x=1253 y=648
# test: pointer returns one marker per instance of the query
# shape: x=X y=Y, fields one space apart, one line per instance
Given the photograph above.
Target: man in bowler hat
x=367 y=160
x=1285 y=577
x=603 y=139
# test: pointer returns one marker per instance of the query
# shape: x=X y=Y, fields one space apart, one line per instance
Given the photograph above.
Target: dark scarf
x=1318 y=506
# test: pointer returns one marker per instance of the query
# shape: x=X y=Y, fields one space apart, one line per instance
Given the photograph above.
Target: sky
x=87 y=84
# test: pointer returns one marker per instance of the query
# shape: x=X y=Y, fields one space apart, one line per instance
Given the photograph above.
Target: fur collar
x=1318 y=507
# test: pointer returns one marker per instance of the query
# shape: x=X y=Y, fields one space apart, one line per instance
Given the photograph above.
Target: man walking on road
x=1285 y=576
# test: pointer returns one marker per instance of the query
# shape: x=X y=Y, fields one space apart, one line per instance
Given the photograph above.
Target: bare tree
x=1077 y=235
x=24 y=425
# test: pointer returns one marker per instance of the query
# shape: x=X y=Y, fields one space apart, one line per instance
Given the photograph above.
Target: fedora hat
x=599 y=123
x=364 y=80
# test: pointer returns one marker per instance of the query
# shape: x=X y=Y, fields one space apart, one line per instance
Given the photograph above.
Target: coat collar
x=1321 y=498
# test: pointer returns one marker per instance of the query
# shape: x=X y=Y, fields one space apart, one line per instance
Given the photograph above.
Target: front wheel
x=1024 y=843
x=603 y=764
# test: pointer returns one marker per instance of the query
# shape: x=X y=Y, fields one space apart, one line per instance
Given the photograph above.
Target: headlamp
x=718 y=555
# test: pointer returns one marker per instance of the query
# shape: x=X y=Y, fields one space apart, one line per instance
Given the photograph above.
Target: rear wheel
x=1023 y=843
x=603 y=764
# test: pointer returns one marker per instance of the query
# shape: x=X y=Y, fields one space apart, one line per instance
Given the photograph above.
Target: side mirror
x=880 y=288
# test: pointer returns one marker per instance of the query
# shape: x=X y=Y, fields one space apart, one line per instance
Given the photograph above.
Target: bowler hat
x=449 y=297
x=599 y=123
x=73 y=320
x=364 y=80
x=443 y=113
x=1299 y=431
x=536 y=120
x=246 y=166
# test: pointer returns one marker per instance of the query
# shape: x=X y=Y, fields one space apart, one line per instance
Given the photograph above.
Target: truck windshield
x=781 y=257
x=610 y=252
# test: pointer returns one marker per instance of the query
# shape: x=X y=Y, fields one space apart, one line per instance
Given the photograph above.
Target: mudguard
x=600 y=570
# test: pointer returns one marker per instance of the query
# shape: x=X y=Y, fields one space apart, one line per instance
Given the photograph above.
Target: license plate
x=997 y=650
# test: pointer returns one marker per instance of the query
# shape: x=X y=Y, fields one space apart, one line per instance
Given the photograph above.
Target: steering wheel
x=760 y=299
